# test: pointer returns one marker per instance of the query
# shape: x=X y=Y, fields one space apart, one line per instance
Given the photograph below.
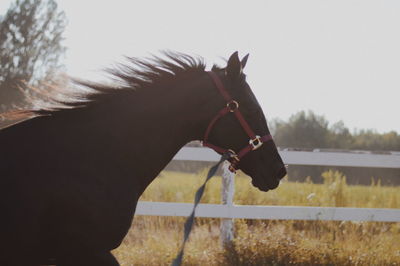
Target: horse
x=71 y=175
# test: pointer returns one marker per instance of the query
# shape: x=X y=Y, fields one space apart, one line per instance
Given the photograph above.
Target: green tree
x=31 y=34
x=371 y=140
x=308 y=130
x=303 y=130
x=340 y=136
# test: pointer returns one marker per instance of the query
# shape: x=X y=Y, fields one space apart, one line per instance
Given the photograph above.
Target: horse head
x=240 y=128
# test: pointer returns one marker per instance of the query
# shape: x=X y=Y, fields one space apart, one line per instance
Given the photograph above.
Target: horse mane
x=138 y=74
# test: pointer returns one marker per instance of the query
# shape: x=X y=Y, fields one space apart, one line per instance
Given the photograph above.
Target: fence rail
x=291 y=157
x=269 y=212
x=314 y=157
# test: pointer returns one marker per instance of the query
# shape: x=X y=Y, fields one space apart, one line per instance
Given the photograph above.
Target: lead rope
x=190 y=220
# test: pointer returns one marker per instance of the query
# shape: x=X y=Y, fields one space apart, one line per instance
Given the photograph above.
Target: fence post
x=227 y=193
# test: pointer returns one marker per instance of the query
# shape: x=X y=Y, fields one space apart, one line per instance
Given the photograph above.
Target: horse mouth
x=266 y=183
x=261 y=188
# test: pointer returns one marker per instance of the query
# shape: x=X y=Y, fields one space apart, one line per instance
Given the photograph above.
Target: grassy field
x=156 y=240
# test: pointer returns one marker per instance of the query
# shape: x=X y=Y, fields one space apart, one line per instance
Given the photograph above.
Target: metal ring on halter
x=234 y=156
x=234 y=160
x=232 y=168
x=256 y=143
x=232 y=105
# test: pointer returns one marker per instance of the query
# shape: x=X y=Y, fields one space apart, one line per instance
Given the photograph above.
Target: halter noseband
x=232 y=106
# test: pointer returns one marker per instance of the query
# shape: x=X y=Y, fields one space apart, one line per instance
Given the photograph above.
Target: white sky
x=340 y=59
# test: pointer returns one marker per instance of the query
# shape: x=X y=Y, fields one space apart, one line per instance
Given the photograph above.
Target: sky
x=338 y=58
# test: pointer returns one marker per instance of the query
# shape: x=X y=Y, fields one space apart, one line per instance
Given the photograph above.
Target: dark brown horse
x=70 y=177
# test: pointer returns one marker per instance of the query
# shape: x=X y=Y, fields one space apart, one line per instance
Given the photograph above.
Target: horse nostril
x=281 y=172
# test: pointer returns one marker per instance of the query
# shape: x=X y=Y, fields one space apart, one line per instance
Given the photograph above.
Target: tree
x=303 y=130
x=30 y=47
x=371 y=140
x=310 y=131
x=340 y=136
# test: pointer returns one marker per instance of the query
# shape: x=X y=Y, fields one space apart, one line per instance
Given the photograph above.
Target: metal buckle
x=234 y=162
x=232 y=169
x=234 y=156
x=232 y=106
x=255 y=143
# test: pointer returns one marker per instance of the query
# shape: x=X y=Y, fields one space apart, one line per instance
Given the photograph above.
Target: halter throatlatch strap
x=232 y=106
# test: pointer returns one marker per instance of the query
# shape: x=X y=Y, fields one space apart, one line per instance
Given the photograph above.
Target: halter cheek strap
x=232 y=106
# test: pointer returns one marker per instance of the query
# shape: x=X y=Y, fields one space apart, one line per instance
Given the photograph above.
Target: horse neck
x=171 y=118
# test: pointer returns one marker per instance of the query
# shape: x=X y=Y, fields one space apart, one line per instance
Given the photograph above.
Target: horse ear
x=234 y=67
x=244 y=61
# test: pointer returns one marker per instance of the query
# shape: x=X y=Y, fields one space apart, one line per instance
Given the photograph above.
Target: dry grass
x=155 y=240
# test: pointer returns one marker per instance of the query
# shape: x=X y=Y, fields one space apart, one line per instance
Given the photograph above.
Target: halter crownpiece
x=232 y=106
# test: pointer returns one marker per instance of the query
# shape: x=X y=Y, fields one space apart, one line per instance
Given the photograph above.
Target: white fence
x=316 y=157
x=269 y=212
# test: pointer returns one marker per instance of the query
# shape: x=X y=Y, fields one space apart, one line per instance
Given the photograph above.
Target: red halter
x=232 y=106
